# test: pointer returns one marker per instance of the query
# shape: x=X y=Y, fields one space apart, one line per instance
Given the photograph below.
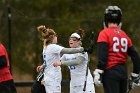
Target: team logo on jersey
x=117 y=31
x=72 y=67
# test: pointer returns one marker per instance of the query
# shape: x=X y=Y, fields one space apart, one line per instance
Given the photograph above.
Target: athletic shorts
x=52 y=86
x=37 y=87
x=7 y=87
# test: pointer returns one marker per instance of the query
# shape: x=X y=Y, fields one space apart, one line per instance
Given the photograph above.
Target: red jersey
x=5 y=71
x=118 y=43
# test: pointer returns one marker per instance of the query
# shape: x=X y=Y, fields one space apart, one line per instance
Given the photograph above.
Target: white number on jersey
x=123 y=42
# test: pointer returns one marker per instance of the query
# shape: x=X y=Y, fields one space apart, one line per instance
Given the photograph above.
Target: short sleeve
x=53 y=48
x=102 y=37
x=2 y=52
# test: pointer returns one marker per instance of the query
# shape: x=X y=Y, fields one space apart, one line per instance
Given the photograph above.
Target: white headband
x=75 y=35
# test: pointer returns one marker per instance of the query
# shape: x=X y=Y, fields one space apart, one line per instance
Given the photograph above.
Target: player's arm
x=135 y=58
x=76 y=61
x=3 y=62
x=72 y=50
x=102 y=62
x=102 y=54
x=134 y=80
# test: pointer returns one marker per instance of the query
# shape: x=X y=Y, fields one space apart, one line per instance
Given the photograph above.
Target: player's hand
x=97 y=77
x=134 y=81
x=58 y=63
x=42 y=82
x=40 y=68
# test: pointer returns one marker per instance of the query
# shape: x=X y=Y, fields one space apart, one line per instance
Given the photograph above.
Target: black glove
x=134 y=81
x=89 y=50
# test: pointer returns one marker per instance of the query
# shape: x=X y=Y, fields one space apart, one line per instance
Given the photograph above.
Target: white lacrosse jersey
x=78 y=72
x=51 y=54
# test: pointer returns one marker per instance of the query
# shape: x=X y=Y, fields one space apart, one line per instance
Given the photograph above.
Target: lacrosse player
x=78 y=65
x=51 y=54
x=113 y=47
x=6 y=80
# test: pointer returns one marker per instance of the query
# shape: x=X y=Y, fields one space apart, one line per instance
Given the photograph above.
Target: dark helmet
x=112 y=14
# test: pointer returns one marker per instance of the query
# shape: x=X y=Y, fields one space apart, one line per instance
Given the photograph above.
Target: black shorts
x=7 y=87
x=38 y=88
x=115 y=80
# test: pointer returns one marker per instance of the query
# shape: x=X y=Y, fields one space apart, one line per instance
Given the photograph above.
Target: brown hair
x=46 y=33
x=80 y=32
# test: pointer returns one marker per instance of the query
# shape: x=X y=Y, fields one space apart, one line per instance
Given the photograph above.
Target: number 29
x=123 y=42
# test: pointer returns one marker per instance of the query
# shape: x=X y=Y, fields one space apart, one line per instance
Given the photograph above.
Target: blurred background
x=19 y=19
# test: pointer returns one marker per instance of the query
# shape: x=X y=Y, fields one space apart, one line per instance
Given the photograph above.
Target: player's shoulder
x=104 y=31
x=123 y=33
x=2 y=47
x=53 y=45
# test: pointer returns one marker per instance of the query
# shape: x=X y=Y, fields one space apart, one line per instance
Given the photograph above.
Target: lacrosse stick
x=37 y=87
x=92 y=43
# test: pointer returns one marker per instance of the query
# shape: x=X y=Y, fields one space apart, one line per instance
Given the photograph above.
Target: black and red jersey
x=5 y=74
x=118 y=43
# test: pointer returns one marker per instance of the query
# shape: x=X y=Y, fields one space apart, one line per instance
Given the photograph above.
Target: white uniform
x=78 y=74
x=52 y=75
